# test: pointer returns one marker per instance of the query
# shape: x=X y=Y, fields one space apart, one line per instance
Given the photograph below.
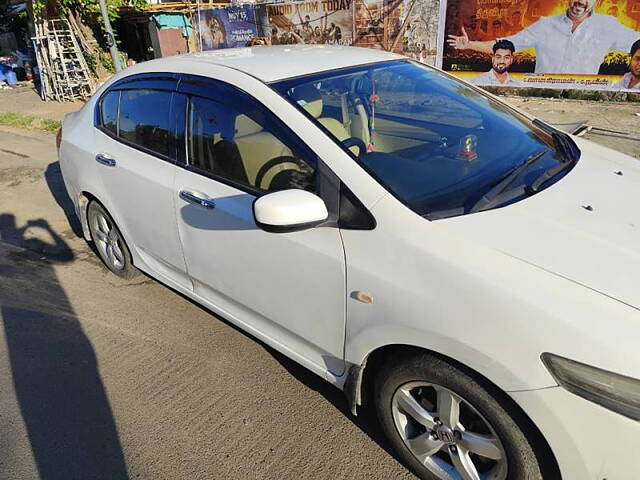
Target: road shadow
x=53 y=176
x=57 y=382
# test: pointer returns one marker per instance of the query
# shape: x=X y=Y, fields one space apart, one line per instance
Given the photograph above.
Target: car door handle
x=197 y=199
x=105 y=159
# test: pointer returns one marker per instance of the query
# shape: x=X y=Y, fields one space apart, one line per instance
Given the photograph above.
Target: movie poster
x=581 y=44
x=407 y=27
x=419 y=29
x=226 y=27
x=314 y=22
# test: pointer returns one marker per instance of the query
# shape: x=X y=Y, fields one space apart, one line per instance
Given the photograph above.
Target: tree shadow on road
x=57 y=383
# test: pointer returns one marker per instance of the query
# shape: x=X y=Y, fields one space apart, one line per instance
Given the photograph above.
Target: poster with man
x=312 y=22
x=583 y=44
x=226 y=27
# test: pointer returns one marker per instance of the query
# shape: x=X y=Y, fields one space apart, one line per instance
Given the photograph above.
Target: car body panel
x=561 y=228
x=590 y=442
x=290 y=286
x=285 y=61
x=430 y=289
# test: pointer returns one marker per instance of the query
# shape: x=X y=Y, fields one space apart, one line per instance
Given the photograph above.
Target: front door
x=289 y=287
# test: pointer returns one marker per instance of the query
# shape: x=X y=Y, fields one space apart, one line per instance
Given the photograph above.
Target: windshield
x=435 y=143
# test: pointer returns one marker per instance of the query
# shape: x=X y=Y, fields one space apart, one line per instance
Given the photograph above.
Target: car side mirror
x=289 y=211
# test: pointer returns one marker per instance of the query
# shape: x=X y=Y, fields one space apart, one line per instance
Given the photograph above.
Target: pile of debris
x=64 y=73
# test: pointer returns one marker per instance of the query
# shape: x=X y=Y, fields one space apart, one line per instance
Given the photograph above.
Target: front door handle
x=105 y=159
x=197 y=199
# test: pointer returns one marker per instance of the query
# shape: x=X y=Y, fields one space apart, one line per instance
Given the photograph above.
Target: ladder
x=64 y=72
x=68 y=65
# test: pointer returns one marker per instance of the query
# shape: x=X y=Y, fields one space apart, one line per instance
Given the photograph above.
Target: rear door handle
x=197 y=199
x=105 y=159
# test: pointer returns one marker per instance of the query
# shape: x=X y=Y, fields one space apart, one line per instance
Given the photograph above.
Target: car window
x=437 y=144
x=109 y=109
x=144 y=119
x=238 y=140
x=407 y=98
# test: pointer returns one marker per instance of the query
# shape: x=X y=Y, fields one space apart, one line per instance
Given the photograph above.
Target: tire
x=432 y=446
x=109 y=243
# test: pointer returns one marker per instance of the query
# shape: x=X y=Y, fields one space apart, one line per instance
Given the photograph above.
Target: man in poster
x=500 y=62
x=631 y=79
x=573 y=42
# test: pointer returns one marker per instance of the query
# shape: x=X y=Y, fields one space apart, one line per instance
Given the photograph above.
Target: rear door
x=135 y=155
x=289 y=287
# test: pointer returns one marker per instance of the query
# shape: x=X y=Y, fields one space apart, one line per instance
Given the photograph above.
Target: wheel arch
x=361 y=379
x=84 y=198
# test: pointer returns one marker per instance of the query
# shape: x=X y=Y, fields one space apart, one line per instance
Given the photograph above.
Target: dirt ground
x=25 y=99
x=622 y=117
x=101 y=378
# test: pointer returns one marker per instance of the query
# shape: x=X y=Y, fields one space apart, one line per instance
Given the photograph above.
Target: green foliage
x=89 y=7
x=16 y=119
x=49 y=125
x=22 y=120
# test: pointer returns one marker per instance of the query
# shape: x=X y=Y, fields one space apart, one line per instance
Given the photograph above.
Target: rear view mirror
x=289 y=211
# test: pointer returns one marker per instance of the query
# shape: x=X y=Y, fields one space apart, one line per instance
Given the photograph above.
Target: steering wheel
x=355 y=142
x=281 y=179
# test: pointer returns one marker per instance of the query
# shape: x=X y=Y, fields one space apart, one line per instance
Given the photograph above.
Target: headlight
x=615 y=392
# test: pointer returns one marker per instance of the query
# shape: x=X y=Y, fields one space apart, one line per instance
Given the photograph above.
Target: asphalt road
x=101 y=378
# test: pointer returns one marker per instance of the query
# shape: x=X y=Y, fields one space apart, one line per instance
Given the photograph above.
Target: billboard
x=226 y=27
x=419 y=29
x=582 y=44
x=408 y=27
x=312 y=22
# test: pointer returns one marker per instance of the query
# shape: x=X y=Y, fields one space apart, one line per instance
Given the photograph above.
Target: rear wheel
x=110 y=244
x=447 y=426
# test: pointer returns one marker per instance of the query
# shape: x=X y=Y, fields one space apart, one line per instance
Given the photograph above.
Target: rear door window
x=145 y=119
x=110 y=105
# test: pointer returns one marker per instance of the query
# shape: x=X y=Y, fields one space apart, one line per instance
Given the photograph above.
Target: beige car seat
x=310 y=98
x=257 y=147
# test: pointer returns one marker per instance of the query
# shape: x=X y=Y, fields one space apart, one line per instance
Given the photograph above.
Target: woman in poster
x=213 y=34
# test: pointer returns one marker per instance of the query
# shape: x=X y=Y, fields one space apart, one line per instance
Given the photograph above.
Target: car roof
x=278 y=62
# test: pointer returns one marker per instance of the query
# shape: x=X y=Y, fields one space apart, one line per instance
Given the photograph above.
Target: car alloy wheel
x=447 y=434
x=108 y=241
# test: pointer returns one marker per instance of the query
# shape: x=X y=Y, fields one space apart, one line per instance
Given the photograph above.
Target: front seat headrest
x=309 y=98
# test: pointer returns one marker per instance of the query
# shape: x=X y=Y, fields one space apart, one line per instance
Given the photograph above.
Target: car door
x=135 y=152
x=289 y=287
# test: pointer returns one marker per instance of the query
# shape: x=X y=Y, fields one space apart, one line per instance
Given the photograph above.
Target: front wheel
x=447 y=426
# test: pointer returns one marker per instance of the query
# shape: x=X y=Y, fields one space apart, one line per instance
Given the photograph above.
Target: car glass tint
x=240 y=142
x=437 y=144
x=144 y=119
x=109 y=111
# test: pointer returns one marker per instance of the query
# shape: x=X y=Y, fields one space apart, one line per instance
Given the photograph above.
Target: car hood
x=585 y=227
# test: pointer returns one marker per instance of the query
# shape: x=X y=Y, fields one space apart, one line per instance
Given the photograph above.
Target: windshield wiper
x=563 y=142
x=546 y=176
x=492 y=196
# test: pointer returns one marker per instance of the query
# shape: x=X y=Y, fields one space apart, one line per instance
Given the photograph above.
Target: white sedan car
x=469 y=271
